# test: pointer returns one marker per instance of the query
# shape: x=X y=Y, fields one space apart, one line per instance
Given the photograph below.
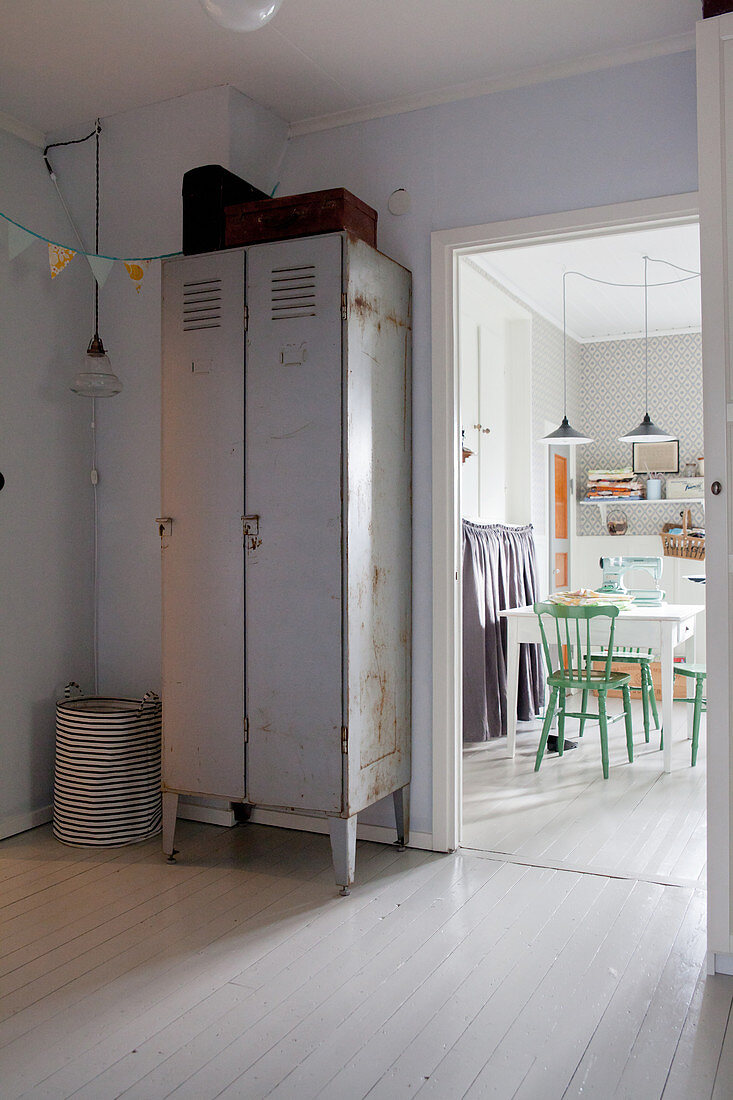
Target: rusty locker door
x=293 y=555
x=201 y=494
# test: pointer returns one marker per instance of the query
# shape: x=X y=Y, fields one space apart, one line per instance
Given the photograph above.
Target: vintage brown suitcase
x=300 y=216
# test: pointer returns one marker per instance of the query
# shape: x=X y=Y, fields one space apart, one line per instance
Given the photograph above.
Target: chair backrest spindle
x=568 y=613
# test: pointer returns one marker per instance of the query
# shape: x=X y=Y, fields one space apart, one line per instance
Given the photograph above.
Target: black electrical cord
x=58 y=144
x=97 y=128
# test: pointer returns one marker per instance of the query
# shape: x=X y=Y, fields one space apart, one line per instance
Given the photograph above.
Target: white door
x=293 y=568
x=715 y=138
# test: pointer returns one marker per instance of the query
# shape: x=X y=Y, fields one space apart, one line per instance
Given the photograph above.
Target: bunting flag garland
x=136 y=271
x=58 y=258
x=101 y=267
x=18 y=240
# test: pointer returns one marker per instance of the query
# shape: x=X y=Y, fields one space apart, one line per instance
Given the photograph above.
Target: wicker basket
x=684 y=545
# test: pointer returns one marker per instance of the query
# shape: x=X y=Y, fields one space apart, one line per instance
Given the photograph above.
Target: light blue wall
x=610 y=136
x=46 y=505
x=603 y=137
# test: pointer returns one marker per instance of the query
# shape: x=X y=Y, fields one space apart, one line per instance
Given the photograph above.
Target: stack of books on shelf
x=614 y=485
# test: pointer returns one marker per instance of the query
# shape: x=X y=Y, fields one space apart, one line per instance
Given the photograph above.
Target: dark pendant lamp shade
x=565 y=435
x=647 y=431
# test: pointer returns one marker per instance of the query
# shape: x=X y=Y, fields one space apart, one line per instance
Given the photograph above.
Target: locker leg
x=170 y=813
x=343 y=850
x=402 y=815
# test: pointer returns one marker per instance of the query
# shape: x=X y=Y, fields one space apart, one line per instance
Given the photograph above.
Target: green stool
x=698 y=674
x=642 y=658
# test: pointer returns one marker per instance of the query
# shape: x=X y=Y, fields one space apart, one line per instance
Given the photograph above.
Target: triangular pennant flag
x=101 y=268
x=136 y=271
x=58 y=258
x=18 y=240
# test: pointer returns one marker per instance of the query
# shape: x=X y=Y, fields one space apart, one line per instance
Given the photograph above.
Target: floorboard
x=239 y=972
x=640 y=821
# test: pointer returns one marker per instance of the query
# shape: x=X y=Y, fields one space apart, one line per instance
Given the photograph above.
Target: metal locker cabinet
x=326 y=507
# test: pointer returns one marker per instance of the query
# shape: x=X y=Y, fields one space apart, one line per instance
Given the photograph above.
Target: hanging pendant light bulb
x=565 y=435
x=96 y=378
x=647 y=431
x=241 y=15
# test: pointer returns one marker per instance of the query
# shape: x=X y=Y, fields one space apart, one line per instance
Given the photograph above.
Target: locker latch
x=251 y=532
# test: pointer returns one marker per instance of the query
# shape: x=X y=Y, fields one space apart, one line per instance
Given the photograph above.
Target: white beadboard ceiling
x=597 y=312
x=63 y=62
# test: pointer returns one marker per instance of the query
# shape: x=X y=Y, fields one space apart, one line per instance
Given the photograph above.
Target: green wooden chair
x=698 y=701
x=574 y=639
x=643 y=658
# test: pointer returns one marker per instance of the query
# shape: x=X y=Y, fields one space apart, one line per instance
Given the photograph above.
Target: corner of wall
x=258 y=141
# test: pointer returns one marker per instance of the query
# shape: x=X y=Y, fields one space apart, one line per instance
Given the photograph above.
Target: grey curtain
x=499 y=571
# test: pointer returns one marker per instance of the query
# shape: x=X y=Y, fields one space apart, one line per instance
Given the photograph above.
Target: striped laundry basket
x=107 y=779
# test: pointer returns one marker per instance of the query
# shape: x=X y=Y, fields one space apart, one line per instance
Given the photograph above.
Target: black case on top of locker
x=206 y=191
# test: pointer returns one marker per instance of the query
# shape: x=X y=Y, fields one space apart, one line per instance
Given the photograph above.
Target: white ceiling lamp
x=565 y=435
x=647 y=431
x=241 y=15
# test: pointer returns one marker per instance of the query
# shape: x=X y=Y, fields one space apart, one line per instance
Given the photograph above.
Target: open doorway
x=566 y=814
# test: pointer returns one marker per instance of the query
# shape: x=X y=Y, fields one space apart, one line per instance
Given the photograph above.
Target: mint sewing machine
x=622 y=575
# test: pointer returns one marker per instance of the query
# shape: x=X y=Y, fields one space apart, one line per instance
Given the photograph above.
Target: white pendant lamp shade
x=96 y=378
x=241 y=15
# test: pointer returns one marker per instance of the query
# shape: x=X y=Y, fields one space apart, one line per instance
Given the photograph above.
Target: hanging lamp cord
x=97 y=130
x=646 y=336
x=689 y=274
x=564 y=350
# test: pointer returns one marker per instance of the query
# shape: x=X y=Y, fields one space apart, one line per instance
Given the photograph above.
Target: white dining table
x=661 y=629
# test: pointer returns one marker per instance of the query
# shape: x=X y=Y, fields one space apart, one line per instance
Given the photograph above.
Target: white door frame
x=446 y=246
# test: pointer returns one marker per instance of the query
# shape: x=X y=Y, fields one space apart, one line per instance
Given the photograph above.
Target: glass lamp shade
x=241 y=15
x=647 y=432
x=565 y=436
x=96 y=378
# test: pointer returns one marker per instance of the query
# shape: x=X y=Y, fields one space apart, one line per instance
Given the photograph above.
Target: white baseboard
x=723 y=964
x=306 y=824
x=20 y=823
x=212 y=815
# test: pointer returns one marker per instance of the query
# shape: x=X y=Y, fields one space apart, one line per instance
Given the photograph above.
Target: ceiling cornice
x=21 y=130
x=679 y=43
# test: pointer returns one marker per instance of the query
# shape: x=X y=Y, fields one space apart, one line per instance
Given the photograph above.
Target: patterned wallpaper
x=547 y=402
x=612 y=402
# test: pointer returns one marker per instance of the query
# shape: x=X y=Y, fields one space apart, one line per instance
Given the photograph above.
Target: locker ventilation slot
x=293 y=292
x=202 y=305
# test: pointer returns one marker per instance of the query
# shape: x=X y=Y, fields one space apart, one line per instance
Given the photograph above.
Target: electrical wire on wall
x=96 y=380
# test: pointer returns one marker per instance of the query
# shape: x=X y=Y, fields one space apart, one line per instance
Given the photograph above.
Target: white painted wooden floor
x=239 y=972
x=640 y=821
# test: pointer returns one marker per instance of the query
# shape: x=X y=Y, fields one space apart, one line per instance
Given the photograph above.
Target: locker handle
x=251 y=532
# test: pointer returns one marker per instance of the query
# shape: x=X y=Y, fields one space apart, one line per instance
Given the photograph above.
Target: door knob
x=716 y=488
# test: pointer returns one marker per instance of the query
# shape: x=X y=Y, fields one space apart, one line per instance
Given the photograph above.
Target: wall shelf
x=621 y=502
